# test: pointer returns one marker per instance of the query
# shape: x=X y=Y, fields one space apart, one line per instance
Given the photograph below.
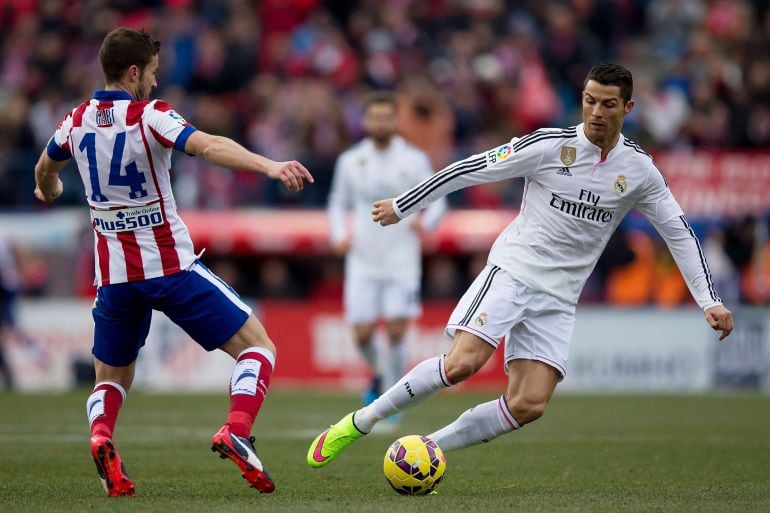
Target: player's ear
x=133 y=73
x=629 y=106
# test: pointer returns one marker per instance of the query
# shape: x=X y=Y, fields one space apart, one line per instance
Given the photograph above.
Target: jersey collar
x=581 y=135
x=111 y=96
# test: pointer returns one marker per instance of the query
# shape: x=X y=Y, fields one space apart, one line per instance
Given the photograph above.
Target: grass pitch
x=592 y=454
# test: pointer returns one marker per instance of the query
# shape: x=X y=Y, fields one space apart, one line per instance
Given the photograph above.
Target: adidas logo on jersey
x=564 y=171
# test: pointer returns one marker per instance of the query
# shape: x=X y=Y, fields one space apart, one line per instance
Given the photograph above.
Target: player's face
x=380 y=122
x=603 y=113
x=147 y=79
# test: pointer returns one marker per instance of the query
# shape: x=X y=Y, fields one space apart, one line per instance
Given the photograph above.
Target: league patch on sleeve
x=499 y=154
x=176 y=117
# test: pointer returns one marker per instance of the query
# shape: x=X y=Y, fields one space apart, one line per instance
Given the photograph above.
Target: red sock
x=103 y=406
x=248 y=387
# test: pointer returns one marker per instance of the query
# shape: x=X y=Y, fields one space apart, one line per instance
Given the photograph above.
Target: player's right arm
x=518 y=158
x=48 y=185
x=225 y=152
x=338 y=206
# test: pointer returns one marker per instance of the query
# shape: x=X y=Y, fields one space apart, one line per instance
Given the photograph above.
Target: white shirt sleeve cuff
x=397 y=210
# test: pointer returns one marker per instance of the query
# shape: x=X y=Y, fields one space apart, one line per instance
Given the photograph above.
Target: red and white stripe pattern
x=152 y=130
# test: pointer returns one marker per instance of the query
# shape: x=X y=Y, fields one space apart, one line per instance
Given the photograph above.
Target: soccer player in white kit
x=579 y=183
x=122 y=144
x=382 y=267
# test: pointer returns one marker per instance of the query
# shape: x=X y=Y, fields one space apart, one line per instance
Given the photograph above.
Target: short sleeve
x=58 y=147
x=168 y=127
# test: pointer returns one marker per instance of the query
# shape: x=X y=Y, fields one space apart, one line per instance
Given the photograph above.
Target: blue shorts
x=197 y=300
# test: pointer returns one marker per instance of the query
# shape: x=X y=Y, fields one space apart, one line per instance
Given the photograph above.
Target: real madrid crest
x=568 y=155
x=481 y=320
x=620 y=184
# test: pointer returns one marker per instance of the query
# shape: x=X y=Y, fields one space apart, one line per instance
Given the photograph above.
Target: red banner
x=307 y=231
x=316 y=347
x=708 y=184
x=711 y=184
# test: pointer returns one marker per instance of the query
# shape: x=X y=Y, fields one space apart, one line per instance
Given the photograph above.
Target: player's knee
x=526 y=409
x=460 y=369
x=264 y=342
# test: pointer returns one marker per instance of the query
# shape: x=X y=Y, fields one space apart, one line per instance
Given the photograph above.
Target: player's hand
x=383 y=213
x=291 y=173
x=341 y=248
x=417 y=226
x=49 y=194
x=720 y=318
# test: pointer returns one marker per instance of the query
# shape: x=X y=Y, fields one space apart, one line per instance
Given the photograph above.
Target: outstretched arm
x=225 y=152
x=48 y=185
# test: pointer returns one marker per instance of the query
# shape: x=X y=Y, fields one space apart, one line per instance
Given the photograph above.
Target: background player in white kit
x=122 y=143
x=579 y=183
x=382 y=267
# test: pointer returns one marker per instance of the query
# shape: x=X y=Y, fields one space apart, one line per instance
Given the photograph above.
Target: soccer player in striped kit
x=382 y=267
x=122 y=143
x=579 y=183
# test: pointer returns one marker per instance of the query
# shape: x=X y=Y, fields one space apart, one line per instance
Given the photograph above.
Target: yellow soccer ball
x=414 y=465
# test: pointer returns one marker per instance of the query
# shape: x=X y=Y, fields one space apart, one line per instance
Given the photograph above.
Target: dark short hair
x=613 y=75
x=123 y=48
x=381 y=97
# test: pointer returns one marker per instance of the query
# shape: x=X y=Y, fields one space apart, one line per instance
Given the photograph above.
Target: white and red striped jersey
x=123 y=151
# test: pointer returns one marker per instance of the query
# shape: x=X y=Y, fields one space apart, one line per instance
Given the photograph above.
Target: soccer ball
x=414 y=465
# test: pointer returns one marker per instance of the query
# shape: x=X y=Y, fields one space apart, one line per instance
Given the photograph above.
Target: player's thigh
x=122 y=318
x=401 y=299
x=466 y=356
x=531 y=384
x=489 y=308
x=205 y=307
x=544 y=334
x=363 y=299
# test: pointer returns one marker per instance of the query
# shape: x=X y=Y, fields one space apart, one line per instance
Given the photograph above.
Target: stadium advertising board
x=613 y=350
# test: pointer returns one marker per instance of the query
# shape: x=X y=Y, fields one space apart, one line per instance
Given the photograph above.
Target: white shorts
x=368 y=299
x=537 y=326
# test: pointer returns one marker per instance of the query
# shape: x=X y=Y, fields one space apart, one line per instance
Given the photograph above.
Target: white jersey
x=572 y=203
x=123 y=152
x=362 y=175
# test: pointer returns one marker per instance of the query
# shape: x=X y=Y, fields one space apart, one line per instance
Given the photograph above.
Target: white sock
x=482 y=423
x=396 y=362
x=417 y=385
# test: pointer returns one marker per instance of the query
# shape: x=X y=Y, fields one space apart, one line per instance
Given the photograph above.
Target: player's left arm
x=661 y=208
x=225 y=152
x=171 y=129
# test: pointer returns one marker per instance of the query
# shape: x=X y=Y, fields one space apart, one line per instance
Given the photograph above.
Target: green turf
x=593 y=454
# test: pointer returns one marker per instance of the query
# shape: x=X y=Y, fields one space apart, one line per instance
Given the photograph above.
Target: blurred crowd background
x=288 y=79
